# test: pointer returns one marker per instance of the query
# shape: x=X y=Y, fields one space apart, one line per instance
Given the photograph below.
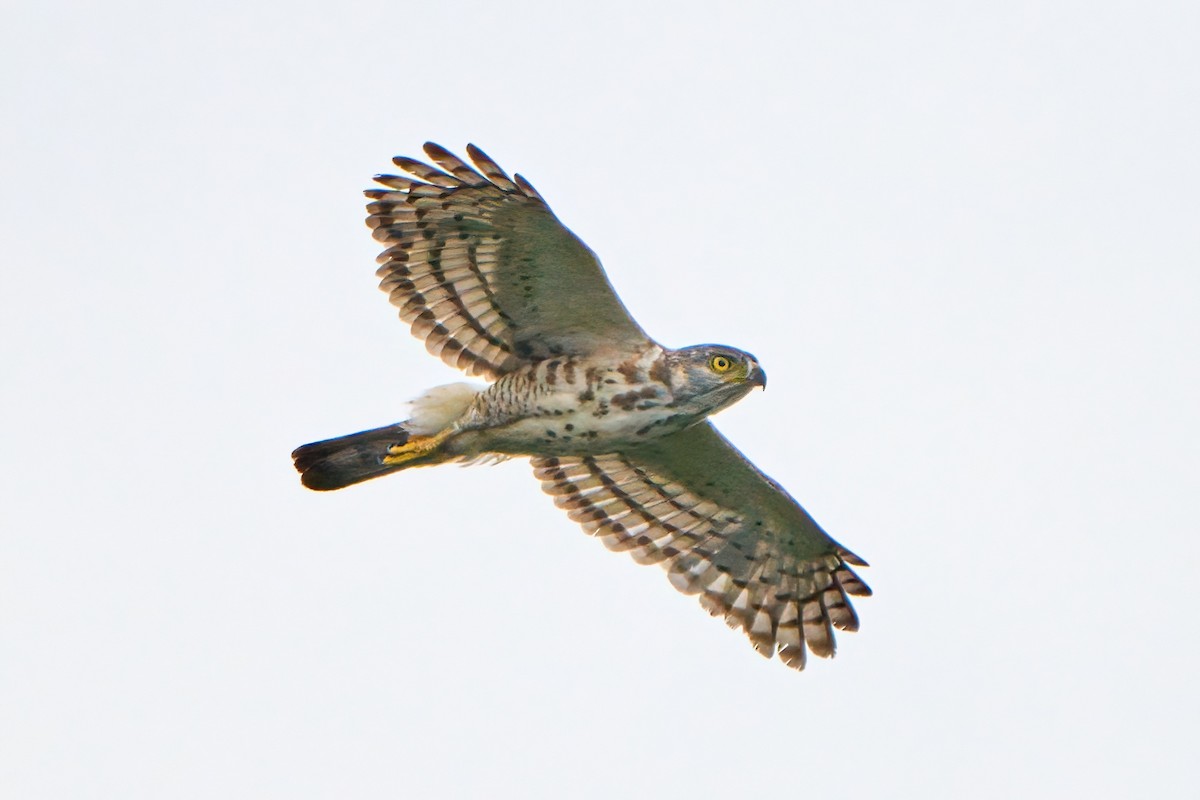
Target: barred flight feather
x=784 y=603
x=447 y=268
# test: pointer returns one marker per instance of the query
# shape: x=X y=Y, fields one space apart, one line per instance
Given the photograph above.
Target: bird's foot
x=415 y=448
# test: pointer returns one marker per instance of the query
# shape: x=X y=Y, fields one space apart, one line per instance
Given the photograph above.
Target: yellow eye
x=720 y=364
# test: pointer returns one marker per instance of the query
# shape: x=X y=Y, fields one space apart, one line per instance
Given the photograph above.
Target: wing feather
x=454 y=165
x=484 y=272
x=527 y=187
x=723 y=531
x=491 y=170
x=430 y=175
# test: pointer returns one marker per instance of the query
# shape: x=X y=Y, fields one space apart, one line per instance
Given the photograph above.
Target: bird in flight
x=616 y=425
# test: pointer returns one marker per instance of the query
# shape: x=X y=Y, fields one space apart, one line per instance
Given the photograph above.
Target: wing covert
x=484 y=272
x=721 y=529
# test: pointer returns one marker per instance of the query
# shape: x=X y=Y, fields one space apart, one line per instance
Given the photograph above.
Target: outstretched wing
x=723 y=530
x=483 y=270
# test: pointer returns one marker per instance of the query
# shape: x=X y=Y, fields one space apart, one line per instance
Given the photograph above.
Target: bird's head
x=706 y=378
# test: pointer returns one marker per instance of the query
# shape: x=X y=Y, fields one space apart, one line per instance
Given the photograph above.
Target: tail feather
x=346 y=460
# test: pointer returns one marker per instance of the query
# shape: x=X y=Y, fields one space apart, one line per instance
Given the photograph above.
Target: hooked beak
x=757 y=376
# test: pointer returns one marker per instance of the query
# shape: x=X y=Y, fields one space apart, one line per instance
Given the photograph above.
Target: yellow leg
x=416 y=447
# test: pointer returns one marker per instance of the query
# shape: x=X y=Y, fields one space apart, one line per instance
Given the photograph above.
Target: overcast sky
x=962 y=238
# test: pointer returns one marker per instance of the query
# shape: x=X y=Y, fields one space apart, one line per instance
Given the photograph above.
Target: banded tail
x=347 y=460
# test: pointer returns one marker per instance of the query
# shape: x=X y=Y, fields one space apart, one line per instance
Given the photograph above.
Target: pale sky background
x=962 y=238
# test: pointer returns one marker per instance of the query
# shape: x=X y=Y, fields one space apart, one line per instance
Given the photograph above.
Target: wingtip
x=527 y=187
x=852 y=558
x=407 y=164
